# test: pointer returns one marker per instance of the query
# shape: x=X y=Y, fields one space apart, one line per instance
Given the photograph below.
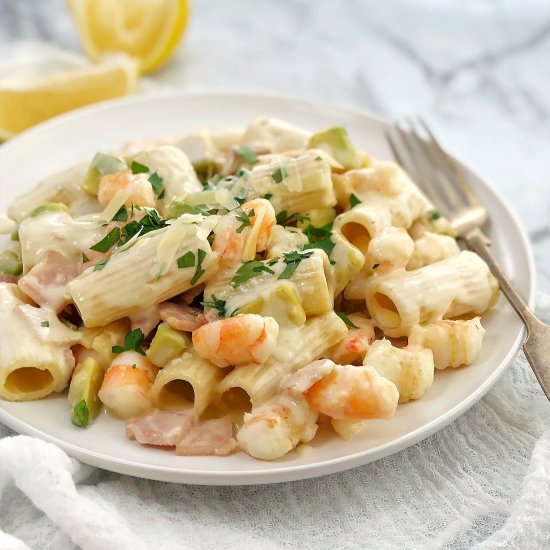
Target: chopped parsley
x=292 y=261
x=319 y=237
x=149 y=222
x=354 y=200
x=157 y=184
x=217 y=304
x=81 y=414
x=240 y=200
x=199 y=272
x=283 y=217
x=138 y=168
x=241 y=172
x=101 y=265
x=267 y=196
x=187 y=260
x=247 y=154
x=346 y=319
x=244 y=218
x=85 y=258
x=248 y=271
x=325 y=244
x=45 y=324
x=105 y=244
x=132 y=342
x=434 y=214
x=121 y=215
x=279 y=175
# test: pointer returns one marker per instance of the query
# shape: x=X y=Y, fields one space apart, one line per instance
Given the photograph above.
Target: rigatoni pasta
x=234 y=288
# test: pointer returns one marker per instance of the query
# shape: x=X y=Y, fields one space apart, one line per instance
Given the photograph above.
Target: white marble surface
x=478 y=71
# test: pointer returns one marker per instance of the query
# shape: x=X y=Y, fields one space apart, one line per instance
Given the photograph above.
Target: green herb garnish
x=279 y=175
x=121 y=215
x=138 y=168
x=434 y=214
x=201 y=255
x=217 y=304
x=105 y=244
x=346 y=319
x=267 y=196
x=354 y=200
x=187 y=260
x=292 y=261
x=85 y=258
x=283 y=218
x=325 y=244
x=45 y=324
x=244 y=218
x=101 y=265
x=81 y=414
x=247 y=154
x=157 y=184
x=248 y=271
x=132 y=342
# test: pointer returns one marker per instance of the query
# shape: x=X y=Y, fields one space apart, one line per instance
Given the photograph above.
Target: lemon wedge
x=147 y=30
x=31 y=94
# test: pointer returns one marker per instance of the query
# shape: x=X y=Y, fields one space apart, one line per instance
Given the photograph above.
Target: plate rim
x=285 y=473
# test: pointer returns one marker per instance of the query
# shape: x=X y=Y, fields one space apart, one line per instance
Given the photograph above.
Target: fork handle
x=537 y=344
x=478 y=242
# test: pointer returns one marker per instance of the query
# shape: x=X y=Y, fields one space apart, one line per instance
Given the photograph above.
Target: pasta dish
x=232 y=289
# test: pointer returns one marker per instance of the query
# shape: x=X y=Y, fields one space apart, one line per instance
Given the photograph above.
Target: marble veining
x=477 y=70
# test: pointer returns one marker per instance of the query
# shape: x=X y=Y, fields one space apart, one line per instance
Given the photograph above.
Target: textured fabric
x=483 y=482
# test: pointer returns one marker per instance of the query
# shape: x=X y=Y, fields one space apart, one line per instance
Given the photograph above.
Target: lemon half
x=147 y=30
x=30 y=99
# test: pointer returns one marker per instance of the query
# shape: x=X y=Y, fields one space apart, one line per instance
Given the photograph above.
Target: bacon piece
x=145 y=319
x=164 y=428
x=189 y=295
x=7 y=278
x=211 y=437
x=181 y=316
x=45 y=282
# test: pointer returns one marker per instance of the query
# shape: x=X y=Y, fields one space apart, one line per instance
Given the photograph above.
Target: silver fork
x=417 y=151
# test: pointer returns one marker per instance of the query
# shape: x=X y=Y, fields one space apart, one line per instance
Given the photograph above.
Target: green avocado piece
x=166 y=345
x=336 y=142
x=83 y=392
x=101 y=165
x=49 y=207
x=10 y=264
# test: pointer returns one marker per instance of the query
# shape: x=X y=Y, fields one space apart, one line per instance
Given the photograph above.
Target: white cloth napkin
x=483 y=482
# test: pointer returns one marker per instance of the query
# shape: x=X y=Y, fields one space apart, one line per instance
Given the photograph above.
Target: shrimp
x=391 y=249
x=235 y=245
x=357 y=393
x=139 y=187
x=277 y=426
x=246 y=338
x=354 y=345
x=127 y=384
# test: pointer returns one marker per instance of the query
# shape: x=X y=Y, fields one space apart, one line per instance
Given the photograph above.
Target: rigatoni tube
x=35 y=354
x=146 y=273
x=450 y=288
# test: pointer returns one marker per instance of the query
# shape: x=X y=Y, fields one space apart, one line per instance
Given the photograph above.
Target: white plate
x=76 y=136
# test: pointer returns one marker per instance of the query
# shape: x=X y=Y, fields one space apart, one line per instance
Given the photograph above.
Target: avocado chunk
x=166 y=345
x=83 y=392
x=101 y=165
x=199 y=150
x=336 y=142
x=49 y=207
x=10 y=264
x=178 y=207
x=281 y=302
